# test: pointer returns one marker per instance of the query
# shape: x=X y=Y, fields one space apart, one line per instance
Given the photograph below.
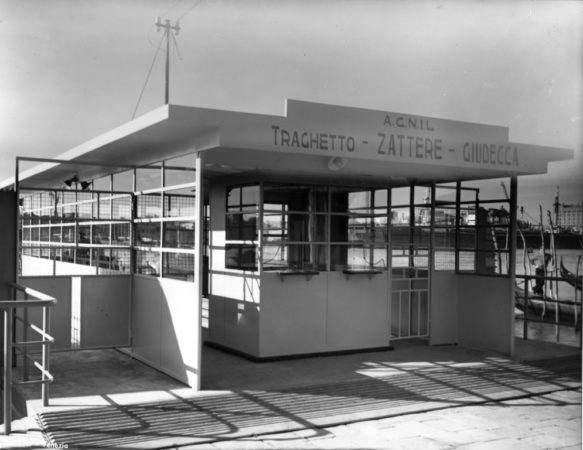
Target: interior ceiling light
x=336 y=163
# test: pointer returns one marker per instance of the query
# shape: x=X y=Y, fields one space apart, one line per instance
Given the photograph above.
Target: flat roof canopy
x=309 y=141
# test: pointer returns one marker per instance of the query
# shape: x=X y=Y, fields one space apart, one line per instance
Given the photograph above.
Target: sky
x=73 y=69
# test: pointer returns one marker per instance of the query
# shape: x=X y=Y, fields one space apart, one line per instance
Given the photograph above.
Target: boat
x=540 y=307
x=570 y=277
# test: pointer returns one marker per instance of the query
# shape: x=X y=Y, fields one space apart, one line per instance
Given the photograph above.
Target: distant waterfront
x=548 y=331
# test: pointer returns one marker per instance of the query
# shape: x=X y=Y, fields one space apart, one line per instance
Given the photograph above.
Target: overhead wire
x=147 y=77
x=196 y=3
x=174 y=40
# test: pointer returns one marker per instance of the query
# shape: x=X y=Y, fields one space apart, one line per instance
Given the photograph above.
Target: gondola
x=570 y=277
x=543 y=308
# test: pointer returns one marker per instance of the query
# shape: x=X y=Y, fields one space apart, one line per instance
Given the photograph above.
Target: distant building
x=571 y=216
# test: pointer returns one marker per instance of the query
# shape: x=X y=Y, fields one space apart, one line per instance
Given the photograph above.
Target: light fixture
x=72 y=180
x=85 y=184
x=336 y=163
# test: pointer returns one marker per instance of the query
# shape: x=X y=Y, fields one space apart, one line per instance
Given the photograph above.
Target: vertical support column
x=46 y=353
x=512 y=256
x=458 y=198
x=24 y=338
x=198 y=255
x=18 y=257
x=7 y=406
x=162 y=223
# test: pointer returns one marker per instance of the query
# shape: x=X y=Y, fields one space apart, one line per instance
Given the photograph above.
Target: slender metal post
x=458 y=196
x=25 y=339
x=525 y=321
x=198 y=255
x=512 y=256
x=46 y=355
x=8 y=313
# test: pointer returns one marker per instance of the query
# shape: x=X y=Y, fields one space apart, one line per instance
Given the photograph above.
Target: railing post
x=24 y=339
x=45 y=356
x=8 y=313
x=525 y=321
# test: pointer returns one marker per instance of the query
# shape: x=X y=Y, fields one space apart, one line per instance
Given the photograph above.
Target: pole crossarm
x=168 y=30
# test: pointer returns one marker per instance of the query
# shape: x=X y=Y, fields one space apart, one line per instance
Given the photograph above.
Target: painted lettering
x=416 y=123
x=380 y=149
x=312 y=140
x=410 y=147
x=490 y=154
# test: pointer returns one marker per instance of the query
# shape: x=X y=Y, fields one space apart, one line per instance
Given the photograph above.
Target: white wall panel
x=105 y=309
x=486 y=319
x=444 y=308
x=357 y=311
x=293 y=314
x=166 y=326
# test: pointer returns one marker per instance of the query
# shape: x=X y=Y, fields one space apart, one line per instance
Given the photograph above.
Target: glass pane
x=124 y=181
x=358 y=257
x=173 y=177
x=102 y=184
x=400 y=196
x=83 y=256
x=241 y=227
x=294 y=257
x=445 y=215
x=187 y=161
x=120 y=233
x=467 y=237
x=421 y=195
x=147 y=263
x=148 y=178
x=178 y=205
x=241 y=198
x=179 y=234
x=240 y=256
x=296 y=198
x=105 y=207
x=122 y=207
x=179 y=266
x=101 y=234
x=69 y=234
x=147 y=234
x=444 y=260
x=467 y=261
x=85 y=234
x=149 y=206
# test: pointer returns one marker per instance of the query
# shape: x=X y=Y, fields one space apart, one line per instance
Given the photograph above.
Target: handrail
x=9 y=307
x=557 y=307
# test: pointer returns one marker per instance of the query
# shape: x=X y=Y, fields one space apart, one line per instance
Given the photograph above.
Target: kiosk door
x=410 y=249
x=409 y=302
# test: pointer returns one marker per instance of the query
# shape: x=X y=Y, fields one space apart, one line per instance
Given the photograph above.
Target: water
x=549 y=332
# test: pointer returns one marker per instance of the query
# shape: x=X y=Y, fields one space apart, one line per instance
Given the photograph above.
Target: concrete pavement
x=413 y=397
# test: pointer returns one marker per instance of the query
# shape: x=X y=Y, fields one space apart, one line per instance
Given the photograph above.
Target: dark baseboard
x=259 y=359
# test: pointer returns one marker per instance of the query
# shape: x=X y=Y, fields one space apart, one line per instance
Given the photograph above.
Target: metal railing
x=31 y=299
x=548 y=307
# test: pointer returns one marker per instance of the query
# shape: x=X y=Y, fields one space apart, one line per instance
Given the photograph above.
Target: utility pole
x=167 y=30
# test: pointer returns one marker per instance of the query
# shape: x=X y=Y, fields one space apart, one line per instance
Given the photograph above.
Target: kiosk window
x=359 y=229
x=295 y=231
x=241 y=227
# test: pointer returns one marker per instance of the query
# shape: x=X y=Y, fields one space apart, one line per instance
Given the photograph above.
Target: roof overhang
x=309 y=141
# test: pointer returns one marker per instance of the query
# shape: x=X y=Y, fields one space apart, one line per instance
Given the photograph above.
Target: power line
x=147 y=77
x=176 y=46
x=189 y=10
